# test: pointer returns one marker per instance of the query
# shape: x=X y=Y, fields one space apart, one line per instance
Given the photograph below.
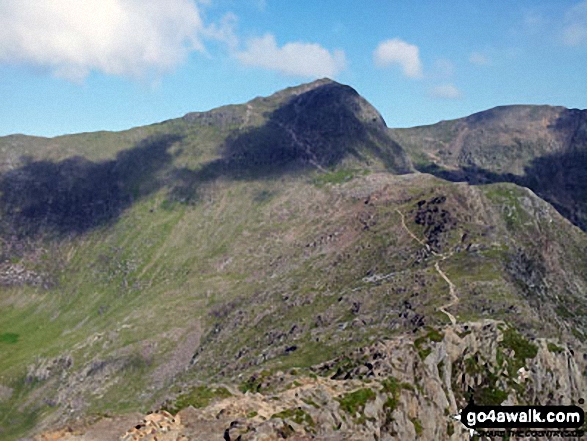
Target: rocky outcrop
x=403 y=388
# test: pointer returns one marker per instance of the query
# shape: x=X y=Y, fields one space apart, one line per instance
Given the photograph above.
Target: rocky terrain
x=289 y=268
x=408 y=387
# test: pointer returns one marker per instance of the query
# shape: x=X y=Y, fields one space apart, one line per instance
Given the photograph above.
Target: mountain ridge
x=256 y=246
x=540 y=147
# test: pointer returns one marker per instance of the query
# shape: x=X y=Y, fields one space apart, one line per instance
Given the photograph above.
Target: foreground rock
x=404 y=388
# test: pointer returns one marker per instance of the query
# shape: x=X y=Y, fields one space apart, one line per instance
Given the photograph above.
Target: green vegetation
x=311 y=402
x=393 y=386
x=490 y=396
x=297 y=415
x=421 y=343
x=554 y=348
x=255 y=382
x=417 y=426
x=522 y=348
x=343 y=365
x=354 y=403
x=309 y=353
x=210 y=257
x=197 y=397
x=337 y=177
x=9 y=337
x=13 y=421
x=263 y=196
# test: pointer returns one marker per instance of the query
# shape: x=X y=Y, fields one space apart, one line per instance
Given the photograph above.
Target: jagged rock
x=402 y=388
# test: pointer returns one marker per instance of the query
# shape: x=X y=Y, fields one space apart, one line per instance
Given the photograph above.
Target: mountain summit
x=321 y=124
x=290 y=268
x=540 y=147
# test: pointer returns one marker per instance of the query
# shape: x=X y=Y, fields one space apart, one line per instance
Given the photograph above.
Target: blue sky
x=70 y=66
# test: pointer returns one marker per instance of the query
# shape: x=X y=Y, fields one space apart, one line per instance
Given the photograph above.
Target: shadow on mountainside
x=76 y=195
x=559 y=178
x=316 y=129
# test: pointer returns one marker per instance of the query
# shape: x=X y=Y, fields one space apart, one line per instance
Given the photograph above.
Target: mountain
x=543 y=148
x=278 y=269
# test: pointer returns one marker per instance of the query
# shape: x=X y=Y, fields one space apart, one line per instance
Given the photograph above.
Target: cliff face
x=403 y=388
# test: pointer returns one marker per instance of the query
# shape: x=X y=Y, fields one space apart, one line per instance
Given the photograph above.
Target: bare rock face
x=403 y=388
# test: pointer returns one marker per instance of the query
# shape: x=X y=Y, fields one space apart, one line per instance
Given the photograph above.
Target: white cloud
x=118 y=37
x=479 y=59
x=575 y=29
x=398 y=52
x=295 y=59
x=224 y=31
x=446 y=91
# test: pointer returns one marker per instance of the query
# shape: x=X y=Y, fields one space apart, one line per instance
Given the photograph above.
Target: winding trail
x=413 y=236
x=453 y=293
x=451 y=286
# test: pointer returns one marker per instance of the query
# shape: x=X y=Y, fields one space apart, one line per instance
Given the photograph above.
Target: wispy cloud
x=479 y=59
x=575 y=29
x=224 y=31
x=446 y=91
x=294 y=59
x=120 y=37
x=400 y=53
x=260 y=4
x=534 y=21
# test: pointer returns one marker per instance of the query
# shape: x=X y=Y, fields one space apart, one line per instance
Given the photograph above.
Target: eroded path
x=451 y=286
x=453 y=293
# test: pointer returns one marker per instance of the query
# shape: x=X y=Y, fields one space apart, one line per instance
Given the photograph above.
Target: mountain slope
x=540 y=147
x=228 y=246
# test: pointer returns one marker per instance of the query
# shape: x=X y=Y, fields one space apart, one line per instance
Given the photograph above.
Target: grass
x=337 y=177
x=9 y=338
x=197 y=397
x=255 y=382
x=421 y=343
x=522 y=348
x=417 y=426
x=490 y=396
x=354 y=403
x=392 y=387
x=554 y=348
x=15 y=421
x=225 y=262
x=298 y=416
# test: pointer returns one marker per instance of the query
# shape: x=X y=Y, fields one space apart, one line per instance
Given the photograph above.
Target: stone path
x=451 y=286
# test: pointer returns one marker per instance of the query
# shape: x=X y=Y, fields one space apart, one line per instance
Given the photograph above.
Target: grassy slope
x=251 y=267
x=248 y=271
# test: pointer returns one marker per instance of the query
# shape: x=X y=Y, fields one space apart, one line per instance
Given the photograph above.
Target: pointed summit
x=322 y=123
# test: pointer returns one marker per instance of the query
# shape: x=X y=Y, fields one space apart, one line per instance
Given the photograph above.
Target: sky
x=69 y=66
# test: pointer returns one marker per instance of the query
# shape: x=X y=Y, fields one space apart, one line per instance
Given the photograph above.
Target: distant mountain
x=290 y=268
x=540 y=147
